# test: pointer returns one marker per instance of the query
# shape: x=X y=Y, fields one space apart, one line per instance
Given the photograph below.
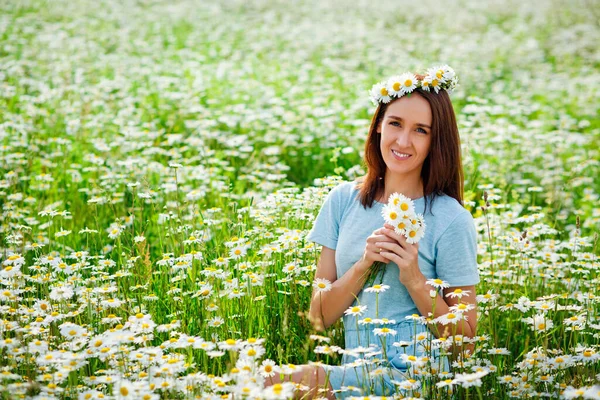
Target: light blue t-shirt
x=448 y=250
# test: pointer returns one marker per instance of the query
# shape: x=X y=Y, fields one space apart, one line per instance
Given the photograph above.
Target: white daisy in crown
x=438 y=78
x=408 y=82
x=380 y=94
x=433 y=82
x=442 y=73
x=394 y=86
x=426 y=83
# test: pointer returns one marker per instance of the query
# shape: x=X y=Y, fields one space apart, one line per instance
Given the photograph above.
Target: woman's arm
x=328 y=307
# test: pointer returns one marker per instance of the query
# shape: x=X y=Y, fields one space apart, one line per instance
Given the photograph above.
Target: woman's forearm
x=328 y=307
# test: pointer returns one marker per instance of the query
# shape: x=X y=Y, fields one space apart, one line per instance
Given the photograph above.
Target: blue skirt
x=360 y=379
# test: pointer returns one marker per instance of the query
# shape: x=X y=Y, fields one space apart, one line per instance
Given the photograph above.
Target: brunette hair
x=442 y=171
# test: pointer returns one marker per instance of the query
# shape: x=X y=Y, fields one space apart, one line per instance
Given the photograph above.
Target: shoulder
x=450 y=214
x=448 y=205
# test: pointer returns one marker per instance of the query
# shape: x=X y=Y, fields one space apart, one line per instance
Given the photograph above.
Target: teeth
x=401 y=154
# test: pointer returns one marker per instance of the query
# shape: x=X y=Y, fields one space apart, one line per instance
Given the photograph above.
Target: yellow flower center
x=384 y=91
x=393 y=215
x=408 y=82
x=404 y=207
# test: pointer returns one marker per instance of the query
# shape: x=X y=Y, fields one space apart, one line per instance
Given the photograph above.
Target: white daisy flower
x=268 y=368
x=252 y=352
x=440 y=73
x=355 y=310
x=414 y=233
x=431 y=82
x=539 y=323
x=462 y=307
x=437 y=283
x=239 y=251
x=425 y=83
x=451 y=318
x=394 y=86
x=402 y=202
x=377 y=289
x=384 y=331
x=401 y=225
x=391 y=214
x=322 y=285
x=216 y=322
x=409 y=82
x=458 y=293
x=380 y=94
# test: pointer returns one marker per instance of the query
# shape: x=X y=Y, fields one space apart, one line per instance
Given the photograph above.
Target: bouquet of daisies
x=400 y=213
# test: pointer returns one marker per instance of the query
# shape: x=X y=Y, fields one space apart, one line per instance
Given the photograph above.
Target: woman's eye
x=421 y=130
x=395 y=122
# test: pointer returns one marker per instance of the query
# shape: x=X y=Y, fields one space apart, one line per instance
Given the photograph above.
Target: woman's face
x=406 y=136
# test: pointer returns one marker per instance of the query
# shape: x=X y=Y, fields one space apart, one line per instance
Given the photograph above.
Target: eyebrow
x=400 y=119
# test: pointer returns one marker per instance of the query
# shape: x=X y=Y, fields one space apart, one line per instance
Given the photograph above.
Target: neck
x=410 y=186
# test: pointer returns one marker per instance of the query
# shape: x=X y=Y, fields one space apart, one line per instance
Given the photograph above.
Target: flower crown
x=435 y=79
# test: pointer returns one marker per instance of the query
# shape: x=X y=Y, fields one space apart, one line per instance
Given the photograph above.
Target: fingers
x=392 y=248
x=374 y=251
x=389 y=231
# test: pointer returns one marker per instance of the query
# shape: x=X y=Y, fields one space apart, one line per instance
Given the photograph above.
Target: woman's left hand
x=405 y=255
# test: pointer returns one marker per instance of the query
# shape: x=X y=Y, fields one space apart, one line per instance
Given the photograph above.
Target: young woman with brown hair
x=413 y=148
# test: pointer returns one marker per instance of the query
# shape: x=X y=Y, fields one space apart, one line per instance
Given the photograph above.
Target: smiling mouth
x=400 y=156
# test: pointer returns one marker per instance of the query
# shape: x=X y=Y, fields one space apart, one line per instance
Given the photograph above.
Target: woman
x=413 y=148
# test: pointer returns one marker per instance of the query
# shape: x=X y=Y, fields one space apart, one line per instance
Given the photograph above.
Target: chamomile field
x=161 y=163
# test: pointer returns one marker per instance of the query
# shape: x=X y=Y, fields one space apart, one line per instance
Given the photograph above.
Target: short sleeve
x=456 y=257
x=326 y=226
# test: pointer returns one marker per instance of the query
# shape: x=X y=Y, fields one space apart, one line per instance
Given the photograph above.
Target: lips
x=400 y=156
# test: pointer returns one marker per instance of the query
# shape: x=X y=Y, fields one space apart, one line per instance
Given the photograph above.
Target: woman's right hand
x=371 y=253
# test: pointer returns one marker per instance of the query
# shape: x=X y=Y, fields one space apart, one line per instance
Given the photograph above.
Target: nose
x=403 y=139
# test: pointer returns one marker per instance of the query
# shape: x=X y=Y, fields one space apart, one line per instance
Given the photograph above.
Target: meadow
x=162 y=162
